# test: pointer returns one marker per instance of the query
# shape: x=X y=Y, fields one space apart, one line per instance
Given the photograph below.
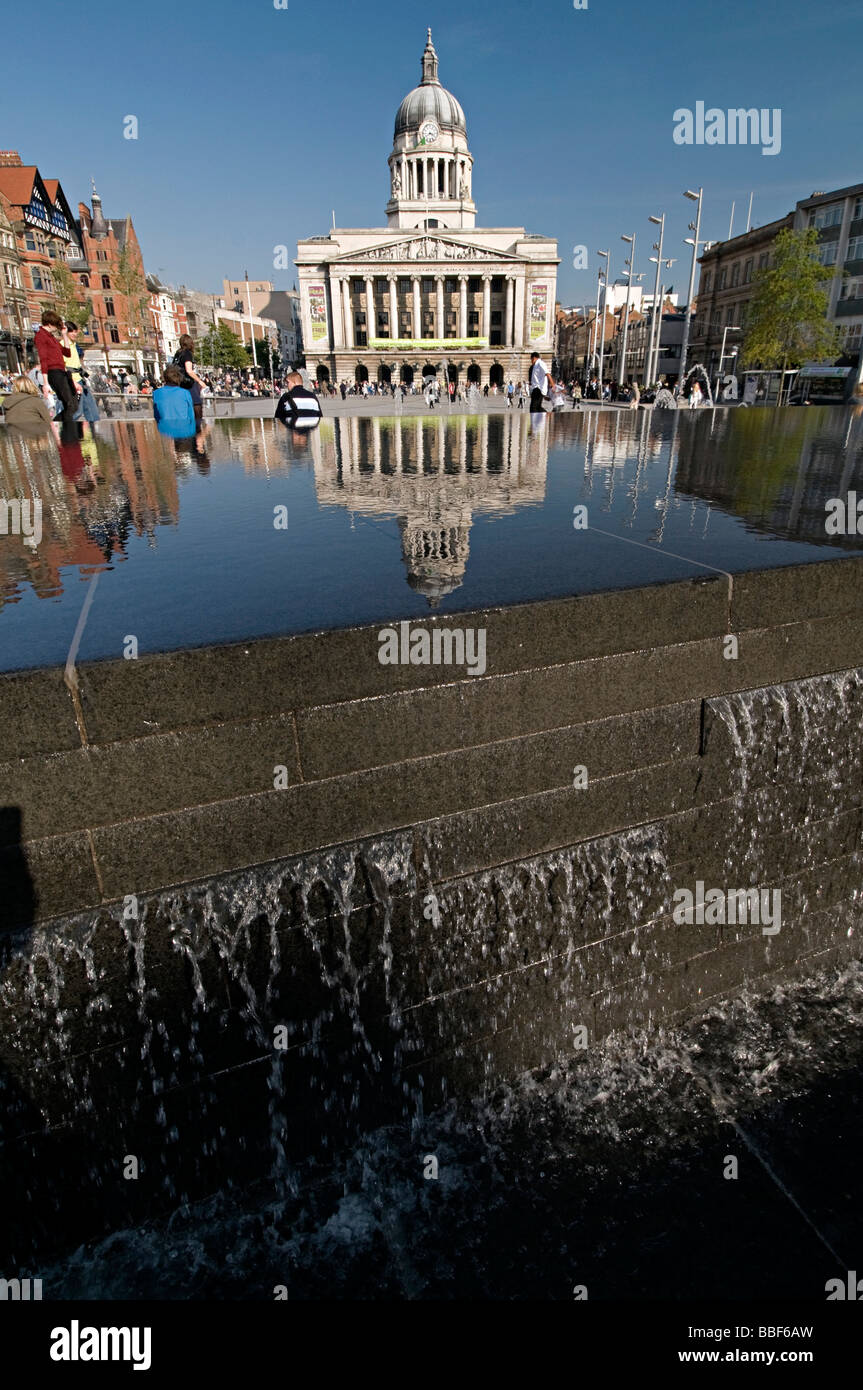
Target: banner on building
x=318 y=312
x=428 y=344
x=538 y=311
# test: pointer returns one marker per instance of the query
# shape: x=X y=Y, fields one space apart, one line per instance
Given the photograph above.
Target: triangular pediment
x=426 y=246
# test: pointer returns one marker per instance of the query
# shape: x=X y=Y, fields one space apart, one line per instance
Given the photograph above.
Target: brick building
x=120 y=332
x=45 y=233
x=14 y=314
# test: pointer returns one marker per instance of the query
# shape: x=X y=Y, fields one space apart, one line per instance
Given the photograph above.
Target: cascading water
x=227 y=1086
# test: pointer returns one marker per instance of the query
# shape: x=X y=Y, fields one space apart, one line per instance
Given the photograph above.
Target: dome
x=430 y=101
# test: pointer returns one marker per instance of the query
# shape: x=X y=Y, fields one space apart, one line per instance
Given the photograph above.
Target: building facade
x=15 y=328
x=282 y=307
x=46 y=236
x=110 y=276
x=168 y=319
x=430 y=292
x=728 y=269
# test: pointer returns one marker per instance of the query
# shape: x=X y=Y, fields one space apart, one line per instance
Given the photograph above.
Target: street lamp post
x=729 y=328
x=657 y=246
x=621 y=371
x=595 y=334
x=606 y=256
x=694 y=227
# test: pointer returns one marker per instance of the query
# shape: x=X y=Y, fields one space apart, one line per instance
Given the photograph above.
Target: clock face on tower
x=429 y=132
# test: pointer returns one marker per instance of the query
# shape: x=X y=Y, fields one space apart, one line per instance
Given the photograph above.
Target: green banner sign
x=427 y=344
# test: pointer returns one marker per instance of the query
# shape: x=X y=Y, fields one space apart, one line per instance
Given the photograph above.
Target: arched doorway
x=322 y=374
x=495 y=376
x=452 y=372
x=429 y=370
x=407 y=375
x=361 y=374
x=385 y=374
x=474 y=373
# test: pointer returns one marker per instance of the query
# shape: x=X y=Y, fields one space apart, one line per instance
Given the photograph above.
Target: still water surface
x=390 y=518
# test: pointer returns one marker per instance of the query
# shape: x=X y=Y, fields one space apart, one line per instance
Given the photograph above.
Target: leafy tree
x=73 y=309
x=129 y=280
x=262 y=347
x=221 y=348
x=787 y=322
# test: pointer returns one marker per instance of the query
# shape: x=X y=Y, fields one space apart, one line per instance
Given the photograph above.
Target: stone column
x=439 y=319
x=508 y=335
x=486 y=305
x=371 y=324
x=417 y=321
x=462 y=306
x=520 y=308
x=394 y=308
x=349 y=318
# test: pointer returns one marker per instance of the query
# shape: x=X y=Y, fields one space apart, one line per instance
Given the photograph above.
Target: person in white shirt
x=538 y=382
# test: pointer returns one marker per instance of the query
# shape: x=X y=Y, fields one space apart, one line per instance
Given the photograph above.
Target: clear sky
x=255 y=123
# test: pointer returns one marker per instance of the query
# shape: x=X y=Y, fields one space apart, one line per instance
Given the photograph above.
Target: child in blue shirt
x=172 y=406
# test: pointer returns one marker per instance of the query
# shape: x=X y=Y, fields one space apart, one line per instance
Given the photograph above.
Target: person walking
x=184 y=358
x=54 y=352
x=539 y=382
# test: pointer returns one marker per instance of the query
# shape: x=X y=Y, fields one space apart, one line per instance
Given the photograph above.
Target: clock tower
x=431 y=167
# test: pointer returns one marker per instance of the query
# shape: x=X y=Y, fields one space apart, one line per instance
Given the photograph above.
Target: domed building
x=430 y=294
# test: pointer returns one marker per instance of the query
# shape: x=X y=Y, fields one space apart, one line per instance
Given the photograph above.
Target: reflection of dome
x=430 y=101
x=436 y=557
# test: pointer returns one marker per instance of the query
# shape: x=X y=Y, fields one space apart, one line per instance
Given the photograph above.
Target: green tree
x=66 y=297
x=129 y=280
x=221 y=348
x=788 y=322
x=262 y=347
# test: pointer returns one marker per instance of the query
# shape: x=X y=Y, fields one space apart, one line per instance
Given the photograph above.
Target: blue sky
x=255 y=123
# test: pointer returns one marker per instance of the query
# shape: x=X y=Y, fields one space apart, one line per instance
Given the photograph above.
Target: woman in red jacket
x=53 y=348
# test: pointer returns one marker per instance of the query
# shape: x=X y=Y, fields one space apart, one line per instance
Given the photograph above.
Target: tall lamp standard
x=657 y=246
x=696 y=228
x=595 y=334
x=606 y=256
x=621 y=371
x=729 y=328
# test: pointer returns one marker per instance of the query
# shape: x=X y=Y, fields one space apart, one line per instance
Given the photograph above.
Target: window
x=404 y=285
x=473 y=318
x=855 y=249
x=94 y=332
x=432 y=222
x=830 y=216
x=764 y=261
x=358 y=286
x=12 y=276
x=427 y=285
x=851 y=289
x=115 y=336
x=827 y=252
x=496 y=318
x=857 y=212
x=381 y=285
x=38 y=283
x=705 y=286
x=383 y=322
x=721 y=279
x=747 y=271
x=109 y=308
x=474 y=284
x=101 y=255
x=85 y=281
x=735 y=275
x=106 y=282
x=360 y=319
x=497 y=284
x=451 y=285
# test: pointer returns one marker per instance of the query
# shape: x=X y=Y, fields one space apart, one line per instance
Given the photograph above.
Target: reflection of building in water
x=134 y=488
x=435 y=475
x=777 y=473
